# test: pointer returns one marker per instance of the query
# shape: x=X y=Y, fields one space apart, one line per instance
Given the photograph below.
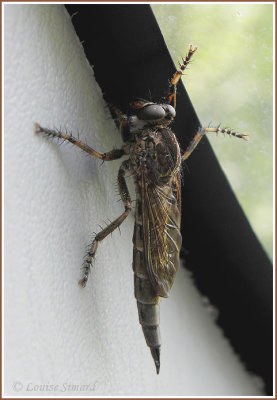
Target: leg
x=122 y=122
x=178 y=74
x=117 y=114
x=111 y=155
x=125 y=197
x=201 y=133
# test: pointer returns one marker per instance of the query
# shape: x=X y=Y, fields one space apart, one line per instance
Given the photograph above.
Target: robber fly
x=155 y=164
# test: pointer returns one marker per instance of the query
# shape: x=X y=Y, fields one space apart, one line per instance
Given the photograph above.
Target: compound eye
x=151 y=112
x=170 y=110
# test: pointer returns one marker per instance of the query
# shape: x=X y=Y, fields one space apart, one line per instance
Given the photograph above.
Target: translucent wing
x=161 y=231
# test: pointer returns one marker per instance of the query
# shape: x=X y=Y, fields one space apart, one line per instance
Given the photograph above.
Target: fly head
x=150 y=115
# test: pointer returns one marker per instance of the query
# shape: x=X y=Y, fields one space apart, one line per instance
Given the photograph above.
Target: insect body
x=155 y=163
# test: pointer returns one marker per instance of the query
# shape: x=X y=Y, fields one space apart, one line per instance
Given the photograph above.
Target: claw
x=37 y=128
x=82 y=282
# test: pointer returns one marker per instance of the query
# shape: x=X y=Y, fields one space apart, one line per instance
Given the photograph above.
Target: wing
x=161 y=230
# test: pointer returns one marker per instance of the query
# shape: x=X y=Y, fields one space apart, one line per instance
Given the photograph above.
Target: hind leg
x=126 y=199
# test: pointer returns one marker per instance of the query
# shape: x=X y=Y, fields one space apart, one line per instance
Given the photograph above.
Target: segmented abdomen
x=147 y=300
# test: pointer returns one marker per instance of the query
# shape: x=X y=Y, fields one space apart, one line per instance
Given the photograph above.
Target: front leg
x=111 y=155
x=126 y=199
x=177 y=76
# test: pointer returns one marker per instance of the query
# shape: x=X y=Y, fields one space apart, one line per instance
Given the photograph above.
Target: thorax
x=156 y=154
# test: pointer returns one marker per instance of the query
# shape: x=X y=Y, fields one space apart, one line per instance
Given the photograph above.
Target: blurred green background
x=230 y=81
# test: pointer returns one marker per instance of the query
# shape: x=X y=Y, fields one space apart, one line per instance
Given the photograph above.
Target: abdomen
x=147 y=300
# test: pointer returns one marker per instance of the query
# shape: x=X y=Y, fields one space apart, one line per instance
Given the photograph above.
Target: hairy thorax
x=155 y=154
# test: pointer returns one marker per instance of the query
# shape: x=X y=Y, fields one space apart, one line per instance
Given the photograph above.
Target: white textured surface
x=56 y=333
